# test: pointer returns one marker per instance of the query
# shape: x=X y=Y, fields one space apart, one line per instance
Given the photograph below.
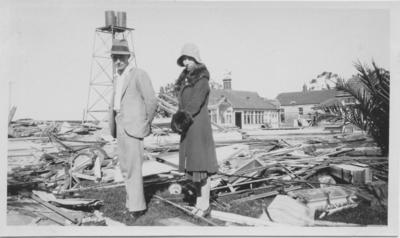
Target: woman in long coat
x=197 y=157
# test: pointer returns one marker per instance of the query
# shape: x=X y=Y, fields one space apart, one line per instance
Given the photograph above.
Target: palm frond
x=371 y=89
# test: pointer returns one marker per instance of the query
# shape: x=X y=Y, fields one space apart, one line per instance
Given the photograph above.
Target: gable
x=241 y=99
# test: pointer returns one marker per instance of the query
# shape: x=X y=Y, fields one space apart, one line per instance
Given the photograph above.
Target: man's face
x=120 y=62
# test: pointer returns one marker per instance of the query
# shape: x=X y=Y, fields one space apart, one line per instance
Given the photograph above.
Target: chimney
x=227 y=83
x=305 y=89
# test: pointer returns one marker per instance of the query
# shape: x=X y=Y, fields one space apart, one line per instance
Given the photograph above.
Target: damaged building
x=243 y=109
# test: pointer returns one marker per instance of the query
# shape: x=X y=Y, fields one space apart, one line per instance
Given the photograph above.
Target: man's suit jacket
x=138 y=105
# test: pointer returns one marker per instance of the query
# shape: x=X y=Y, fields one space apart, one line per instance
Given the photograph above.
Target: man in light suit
x=133 y=107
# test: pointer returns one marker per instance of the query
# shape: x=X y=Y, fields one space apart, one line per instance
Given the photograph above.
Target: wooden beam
x=84 y=176
x=99 y=186
x=245 y=191
x=334 y=224
x=240 y=219
x=174 y=221
x=186 y=210
x=71 y=218
x=264 y=195
x=248 y=182
x=174 y=100
x=11 y=114
x=52 y=218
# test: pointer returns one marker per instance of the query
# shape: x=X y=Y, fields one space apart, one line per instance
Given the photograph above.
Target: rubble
x=287 y=210
x=305 y=175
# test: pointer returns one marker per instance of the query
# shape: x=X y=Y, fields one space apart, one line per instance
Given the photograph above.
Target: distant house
x=243 y=109
x=296 y=105
x=343 y=98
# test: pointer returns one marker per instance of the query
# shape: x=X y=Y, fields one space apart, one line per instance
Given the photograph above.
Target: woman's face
x=188 y=62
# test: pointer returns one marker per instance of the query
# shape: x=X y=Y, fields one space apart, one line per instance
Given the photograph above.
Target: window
x=300 y=111
x=262 y=117
x=282 y=113
x=256 y=121
x=228 y=117
x=248 y=117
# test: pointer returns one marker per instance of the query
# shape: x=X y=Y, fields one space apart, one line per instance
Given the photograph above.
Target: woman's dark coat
x=197 y=148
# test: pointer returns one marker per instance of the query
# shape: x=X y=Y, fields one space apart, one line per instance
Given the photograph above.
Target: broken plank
x=11 y=115
x=343 y=150
x=240 y=219
x=310 y=172
x=281 y=151
x=186 y=210
x=52 y=218
x=244 y=183
x=351 y=173
x=161 y=160
x=172 y=99
x=227 y=152
x=84 y=176
x=334 y=224
x=174 y=221
x=111 y=222
x=71 y=218
x=264 y=195
x=284 y=209
x=97 y=186
x=244 y=191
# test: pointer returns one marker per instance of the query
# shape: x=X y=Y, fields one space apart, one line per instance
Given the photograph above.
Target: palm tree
x=370 y=87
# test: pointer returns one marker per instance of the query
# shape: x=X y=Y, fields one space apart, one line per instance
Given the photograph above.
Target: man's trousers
x=130 y=155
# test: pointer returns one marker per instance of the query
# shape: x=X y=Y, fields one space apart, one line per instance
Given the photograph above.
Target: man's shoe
x=136 y=214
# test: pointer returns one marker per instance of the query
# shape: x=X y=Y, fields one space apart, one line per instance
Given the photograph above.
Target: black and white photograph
x=199 y=118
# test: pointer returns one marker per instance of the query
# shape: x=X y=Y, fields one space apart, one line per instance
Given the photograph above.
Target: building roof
x=307 y=97
x=241 y=99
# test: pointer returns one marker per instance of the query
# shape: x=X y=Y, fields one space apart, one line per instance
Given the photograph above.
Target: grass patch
x=114 y=206
x=362 y=214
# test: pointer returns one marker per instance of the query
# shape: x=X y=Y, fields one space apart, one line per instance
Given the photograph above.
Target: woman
x=197 y=157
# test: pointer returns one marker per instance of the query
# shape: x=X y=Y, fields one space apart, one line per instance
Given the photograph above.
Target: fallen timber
x=264 y=195
x=73 y=219
x=277 y=165
x=186 y=210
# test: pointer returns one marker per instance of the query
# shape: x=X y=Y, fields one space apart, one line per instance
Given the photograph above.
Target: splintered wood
x=296 y=174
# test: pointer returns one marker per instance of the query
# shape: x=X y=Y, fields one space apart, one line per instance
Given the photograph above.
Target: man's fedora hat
x=120 y=47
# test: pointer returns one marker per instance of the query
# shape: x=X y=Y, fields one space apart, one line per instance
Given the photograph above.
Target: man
x=133 y=107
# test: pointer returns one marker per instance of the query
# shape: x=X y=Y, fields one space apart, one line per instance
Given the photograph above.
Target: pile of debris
x=306 y=182
x=303 y=182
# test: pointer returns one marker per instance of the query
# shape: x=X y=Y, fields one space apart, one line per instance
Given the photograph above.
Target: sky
x=268 y=47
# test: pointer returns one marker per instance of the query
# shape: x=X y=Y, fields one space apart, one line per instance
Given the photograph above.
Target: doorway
x=238 y=119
